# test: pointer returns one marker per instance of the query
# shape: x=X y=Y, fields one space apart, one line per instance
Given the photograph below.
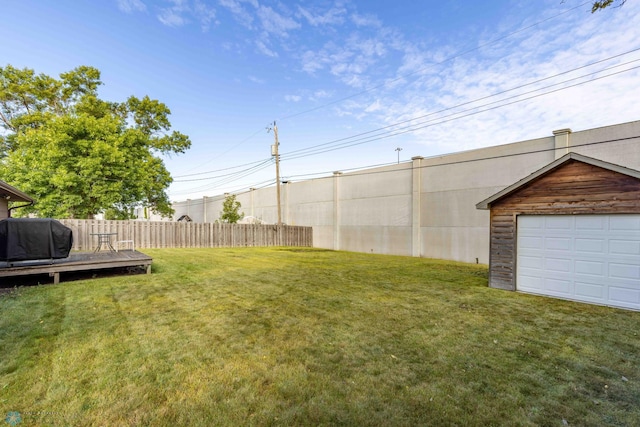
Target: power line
x=231 y=179
x=444 y=61
x=502 y=156
x=345 y=142
x=456 y=162
x=444 y=119
x=257 y=164
x=441 y=120
x=403 y=76
x=218 y=170
x=379 y=134
x=225 y=152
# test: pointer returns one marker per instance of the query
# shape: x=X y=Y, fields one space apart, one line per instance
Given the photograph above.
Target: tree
x=78 y=155
x=599 y=5
x=230 y=210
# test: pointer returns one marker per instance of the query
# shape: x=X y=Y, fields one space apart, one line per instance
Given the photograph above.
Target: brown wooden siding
x=573 y=188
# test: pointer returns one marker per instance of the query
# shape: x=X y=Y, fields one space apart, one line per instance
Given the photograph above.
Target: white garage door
x=591 y=258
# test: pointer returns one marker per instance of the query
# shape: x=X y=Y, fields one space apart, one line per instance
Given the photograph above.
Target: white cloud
x=365 y=20
x=334 y=16
x=182 y=12
x=312 y=62
x=429 y=81
x=129 y=6
x=292 y=98
x=275 y=23
x=262 y=47
x=174 y=16
x=374 y=107
x=322 y=94
x=171 y=18
x=204 y=13
x=242 y=15
x=256 y=79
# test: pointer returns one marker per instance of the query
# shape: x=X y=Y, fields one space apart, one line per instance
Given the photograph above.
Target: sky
x=349 y=84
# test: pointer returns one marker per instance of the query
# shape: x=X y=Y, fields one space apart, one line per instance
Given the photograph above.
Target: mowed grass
x=291 y=336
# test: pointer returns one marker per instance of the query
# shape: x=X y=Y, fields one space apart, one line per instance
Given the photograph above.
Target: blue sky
x=347 y=82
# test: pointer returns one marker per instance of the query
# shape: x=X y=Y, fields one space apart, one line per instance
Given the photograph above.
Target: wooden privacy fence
x=162 y=234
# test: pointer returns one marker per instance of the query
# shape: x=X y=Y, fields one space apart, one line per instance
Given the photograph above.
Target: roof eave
x=13 y=194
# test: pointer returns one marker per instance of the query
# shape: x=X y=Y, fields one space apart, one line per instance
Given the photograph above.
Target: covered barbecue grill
x=23 y=239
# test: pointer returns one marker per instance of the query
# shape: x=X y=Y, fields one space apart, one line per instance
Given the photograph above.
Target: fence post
x=163 y=234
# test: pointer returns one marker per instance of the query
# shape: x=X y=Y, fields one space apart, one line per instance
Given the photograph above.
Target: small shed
x=10 y=194
x=570 y=230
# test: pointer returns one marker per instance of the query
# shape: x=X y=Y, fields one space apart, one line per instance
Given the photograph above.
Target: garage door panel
x=624 y=247
x=559 y=287
x=530 y=242
x=531 y=283
x=559 y=222
x=535 y=262
x=558 y=243
x=561 y=265
x=591 y=258
x=590 y=246
x=592 y=292
x=592 y=223
x=624 y=223
x=625 y=297
x=591 y=268
x=534 y=223
x=624 y=271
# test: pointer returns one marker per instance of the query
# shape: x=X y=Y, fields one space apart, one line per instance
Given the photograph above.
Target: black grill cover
x=24 y=239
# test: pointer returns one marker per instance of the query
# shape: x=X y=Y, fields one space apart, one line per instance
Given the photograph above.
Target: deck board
x=78 y=262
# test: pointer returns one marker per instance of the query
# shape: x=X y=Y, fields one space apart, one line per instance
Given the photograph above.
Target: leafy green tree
x=78 y=155
x=599 y=5
x=231 y=210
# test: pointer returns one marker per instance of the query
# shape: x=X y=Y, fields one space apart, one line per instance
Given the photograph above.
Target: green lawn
x=286 y=336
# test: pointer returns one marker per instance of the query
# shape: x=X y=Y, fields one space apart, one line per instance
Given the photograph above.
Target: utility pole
x=274 y=153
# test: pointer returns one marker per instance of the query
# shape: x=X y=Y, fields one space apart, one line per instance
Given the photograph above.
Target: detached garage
x=570 y=230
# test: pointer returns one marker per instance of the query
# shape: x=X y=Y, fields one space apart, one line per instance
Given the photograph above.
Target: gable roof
x=13 y=194
x=486 y=203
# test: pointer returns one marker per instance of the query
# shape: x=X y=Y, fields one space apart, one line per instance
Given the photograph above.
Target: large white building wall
x=311 y=202
x=623 y=150
x=425 y=207
x=375 y=210
x=451 y=226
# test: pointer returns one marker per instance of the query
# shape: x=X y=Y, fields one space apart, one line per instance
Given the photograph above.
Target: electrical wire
x=260 y=163
x=227 y=151
x=422 y=125
x=401 y=77
x=347 y=141
x=228 y=180
x=459 y=162
x=220 y=170
x=442 y=120
x=393 y=130
x=444 y=61
x=451 y=163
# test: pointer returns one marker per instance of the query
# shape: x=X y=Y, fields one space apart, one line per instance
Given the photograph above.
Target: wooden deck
x=77 y=262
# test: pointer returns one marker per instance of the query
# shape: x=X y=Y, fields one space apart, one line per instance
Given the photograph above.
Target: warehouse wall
x=425 y=207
